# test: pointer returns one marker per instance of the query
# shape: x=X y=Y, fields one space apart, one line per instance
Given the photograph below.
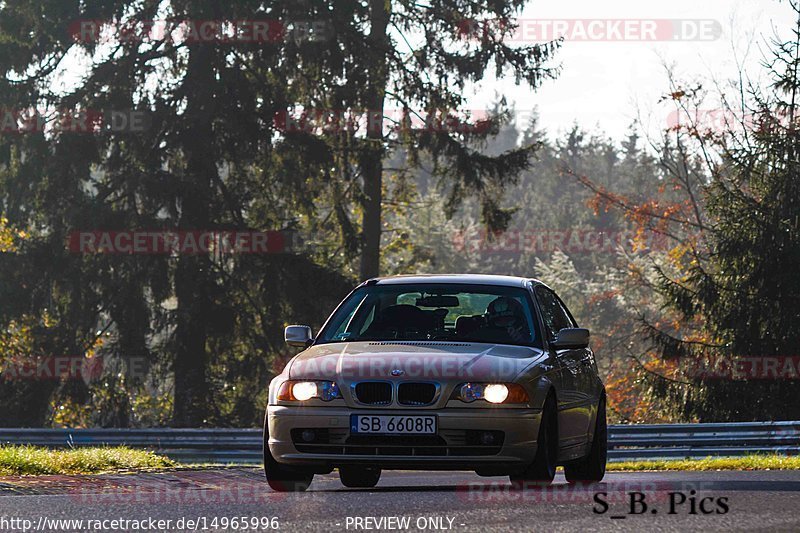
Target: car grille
x=449 y=443
x=416 y=393
x=374 y=393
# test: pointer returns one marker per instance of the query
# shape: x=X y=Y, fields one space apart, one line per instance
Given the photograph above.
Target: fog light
x=487 y=437
x=308 y=435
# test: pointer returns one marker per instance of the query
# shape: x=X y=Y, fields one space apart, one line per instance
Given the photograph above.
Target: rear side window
x=554 y=315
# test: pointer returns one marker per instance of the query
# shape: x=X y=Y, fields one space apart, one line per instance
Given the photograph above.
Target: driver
x=505 y=319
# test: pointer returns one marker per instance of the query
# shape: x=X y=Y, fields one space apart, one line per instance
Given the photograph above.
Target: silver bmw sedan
x=446 y=372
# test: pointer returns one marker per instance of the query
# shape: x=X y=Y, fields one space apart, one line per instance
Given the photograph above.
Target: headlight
x=306 y=390
x=492 y=392
x=495 y=393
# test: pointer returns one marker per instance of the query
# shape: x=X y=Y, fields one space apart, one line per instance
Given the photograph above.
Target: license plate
x=393 y=424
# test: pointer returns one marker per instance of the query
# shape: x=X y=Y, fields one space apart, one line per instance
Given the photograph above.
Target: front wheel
x=283 y=478
x=359 y=477
x=543 y=469
x=592 y=468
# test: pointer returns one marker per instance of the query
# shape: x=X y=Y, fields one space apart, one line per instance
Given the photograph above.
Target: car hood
x=425 y=361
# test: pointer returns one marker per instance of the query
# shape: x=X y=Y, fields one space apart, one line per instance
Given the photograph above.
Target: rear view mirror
x=299 y=336
x=438 y=301
x=574 y=338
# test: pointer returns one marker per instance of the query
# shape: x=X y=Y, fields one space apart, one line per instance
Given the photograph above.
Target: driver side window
x=553 y=314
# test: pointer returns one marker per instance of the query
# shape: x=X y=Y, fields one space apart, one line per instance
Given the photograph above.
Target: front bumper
x=520 y=428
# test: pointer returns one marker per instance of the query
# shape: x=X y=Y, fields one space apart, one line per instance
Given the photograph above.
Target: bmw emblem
x=398 y=372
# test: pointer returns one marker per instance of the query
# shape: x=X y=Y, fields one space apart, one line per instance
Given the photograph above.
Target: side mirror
x=574 y=338
x=299 y=336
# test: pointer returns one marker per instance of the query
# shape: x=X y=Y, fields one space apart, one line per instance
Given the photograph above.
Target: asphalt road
x=410 y=501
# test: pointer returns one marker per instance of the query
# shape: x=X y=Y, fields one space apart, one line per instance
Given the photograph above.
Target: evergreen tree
x=740 y=282
x=419 y=59
x=208 y=161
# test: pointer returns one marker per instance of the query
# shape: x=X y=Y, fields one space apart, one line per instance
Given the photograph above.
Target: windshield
x=430 y=312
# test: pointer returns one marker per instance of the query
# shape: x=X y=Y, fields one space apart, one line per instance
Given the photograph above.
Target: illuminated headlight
x=306 y=390
x=492 y=392
x=495 y=393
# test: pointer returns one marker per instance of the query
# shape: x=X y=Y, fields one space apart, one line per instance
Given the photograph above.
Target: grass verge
x=747 y=462
x=32 y=460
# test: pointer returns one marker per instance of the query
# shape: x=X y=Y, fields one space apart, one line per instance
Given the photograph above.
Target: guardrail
x=243 y=446
x=675 y=441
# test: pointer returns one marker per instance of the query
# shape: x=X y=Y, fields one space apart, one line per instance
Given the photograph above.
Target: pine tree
x=206 y=162
x=746 y=292
x=419 y=59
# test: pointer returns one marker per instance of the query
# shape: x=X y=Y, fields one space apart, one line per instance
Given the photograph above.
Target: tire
x=359 y=477
x=592 y=468
x=283 y=478
x=543 y=469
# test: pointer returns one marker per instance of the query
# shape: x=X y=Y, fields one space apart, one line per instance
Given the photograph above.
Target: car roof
x=469 y=279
